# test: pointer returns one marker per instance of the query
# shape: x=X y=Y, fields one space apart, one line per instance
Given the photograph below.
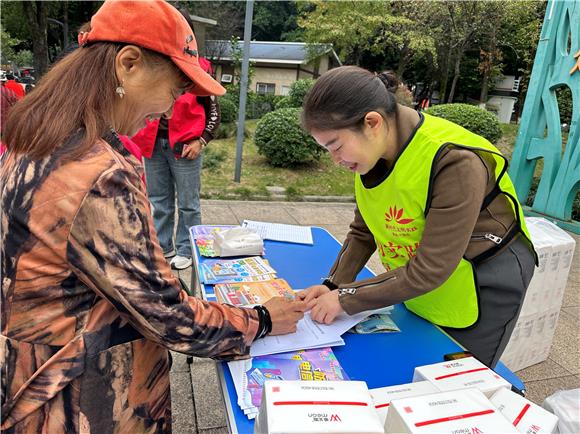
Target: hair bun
x=390 y=80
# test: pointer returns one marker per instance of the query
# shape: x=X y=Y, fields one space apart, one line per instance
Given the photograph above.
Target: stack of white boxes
x=532 y=337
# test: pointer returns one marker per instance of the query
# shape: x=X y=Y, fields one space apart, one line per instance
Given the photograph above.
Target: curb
x=280 y=198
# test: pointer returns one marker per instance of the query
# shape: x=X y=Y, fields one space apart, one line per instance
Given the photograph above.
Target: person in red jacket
x=15 y=87
x=173 y=158
x=8 y=99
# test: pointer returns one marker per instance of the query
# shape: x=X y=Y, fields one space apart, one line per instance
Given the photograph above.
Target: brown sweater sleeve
x=355 y=253
x=459 y=187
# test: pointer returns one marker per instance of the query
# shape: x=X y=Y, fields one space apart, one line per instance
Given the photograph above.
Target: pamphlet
x=250 y=293
x=376 y=323
x=251 y=269
x=249 y=375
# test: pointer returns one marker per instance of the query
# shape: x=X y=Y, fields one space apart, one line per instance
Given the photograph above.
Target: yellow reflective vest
x=395 y=213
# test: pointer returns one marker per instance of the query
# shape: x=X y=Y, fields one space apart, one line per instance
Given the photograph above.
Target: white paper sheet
x=281 y=232
x=309 y=334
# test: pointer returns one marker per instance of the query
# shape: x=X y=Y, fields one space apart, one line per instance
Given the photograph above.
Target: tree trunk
x=455 y=75
x=445 y=79
x=488 y=64
x=484 y=87
x=36 y=14
x=403 y=61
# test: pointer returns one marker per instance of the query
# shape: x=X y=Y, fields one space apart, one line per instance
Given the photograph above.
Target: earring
x=120 y=90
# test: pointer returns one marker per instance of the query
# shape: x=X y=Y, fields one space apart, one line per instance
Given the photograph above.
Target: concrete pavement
x=197 y=402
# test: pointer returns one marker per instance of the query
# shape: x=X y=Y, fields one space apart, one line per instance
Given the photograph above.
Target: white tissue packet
x=238 y=242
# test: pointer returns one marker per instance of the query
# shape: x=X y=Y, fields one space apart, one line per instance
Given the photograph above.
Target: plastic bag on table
x=566 y=405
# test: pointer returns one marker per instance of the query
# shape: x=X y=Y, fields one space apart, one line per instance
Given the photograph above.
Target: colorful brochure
x=315 y=364
x=250 y=293
x=251 y=269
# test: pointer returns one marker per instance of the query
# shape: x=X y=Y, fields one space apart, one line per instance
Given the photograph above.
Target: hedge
x=472 y=118
x=280 y=138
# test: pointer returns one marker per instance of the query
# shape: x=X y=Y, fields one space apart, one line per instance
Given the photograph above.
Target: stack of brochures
x=251 y=269
x=251 y=293
x=249 y=375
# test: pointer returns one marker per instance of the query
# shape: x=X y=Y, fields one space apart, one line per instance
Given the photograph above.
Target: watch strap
x=329 y=284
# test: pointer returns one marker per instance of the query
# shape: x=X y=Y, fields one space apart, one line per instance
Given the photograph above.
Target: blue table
x=383 y=359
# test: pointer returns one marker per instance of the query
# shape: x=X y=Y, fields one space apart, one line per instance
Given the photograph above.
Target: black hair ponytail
x=390 y=80
x=343 y=96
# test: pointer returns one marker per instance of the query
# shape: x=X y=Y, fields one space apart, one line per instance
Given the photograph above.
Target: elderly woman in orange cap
x=89 y=305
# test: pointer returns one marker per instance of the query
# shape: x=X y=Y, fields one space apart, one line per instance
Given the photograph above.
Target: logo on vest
x=400 y=226
x=395 y=215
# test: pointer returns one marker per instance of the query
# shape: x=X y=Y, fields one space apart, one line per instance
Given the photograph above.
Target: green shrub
x=472 y=118
x=284 y=102
x=282 y=141
x=259 y=104
x=298 y=91
x=229 y=110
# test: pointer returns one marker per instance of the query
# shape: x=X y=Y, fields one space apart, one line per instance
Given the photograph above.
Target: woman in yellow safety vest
x=435 y=201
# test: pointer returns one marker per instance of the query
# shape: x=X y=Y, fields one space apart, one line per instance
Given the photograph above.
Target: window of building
x=264 y=88
x=285 y=90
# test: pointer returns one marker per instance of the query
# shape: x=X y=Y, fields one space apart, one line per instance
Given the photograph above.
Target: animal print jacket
x=89 y=304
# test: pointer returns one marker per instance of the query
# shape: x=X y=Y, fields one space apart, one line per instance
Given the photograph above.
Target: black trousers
x=502 y=281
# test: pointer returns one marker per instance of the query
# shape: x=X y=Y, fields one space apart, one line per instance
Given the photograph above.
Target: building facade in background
x=276 y=65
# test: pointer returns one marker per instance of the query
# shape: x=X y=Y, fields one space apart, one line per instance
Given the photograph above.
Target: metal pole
x=244 y=88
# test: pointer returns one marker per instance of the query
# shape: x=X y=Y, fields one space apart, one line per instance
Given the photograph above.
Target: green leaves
x=472 y=118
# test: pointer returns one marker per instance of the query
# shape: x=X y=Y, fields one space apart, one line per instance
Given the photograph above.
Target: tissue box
x=458 y=411
x=527 y=417
x=461 y=374
x=383 y=396
x=317 y=407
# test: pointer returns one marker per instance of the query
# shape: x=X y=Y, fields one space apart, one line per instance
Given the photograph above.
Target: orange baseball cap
x=158 y=26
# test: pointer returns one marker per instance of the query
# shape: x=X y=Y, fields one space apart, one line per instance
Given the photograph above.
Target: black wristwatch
x=329 y=284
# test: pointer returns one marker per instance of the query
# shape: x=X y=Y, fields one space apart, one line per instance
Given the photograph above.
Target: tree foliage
x=429 y=41
x=228 y=14
x=358 y=27
x=426 y=41
x=275 y=21
x=44 y=27
x=298 y=91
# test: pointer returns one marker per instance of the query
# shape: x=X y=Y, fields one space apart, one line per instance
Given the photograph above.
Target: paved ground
x=197 y=401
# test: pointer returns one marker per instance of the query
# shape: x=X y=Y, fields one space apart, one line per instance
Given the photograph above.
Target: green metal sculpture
x=557 y=64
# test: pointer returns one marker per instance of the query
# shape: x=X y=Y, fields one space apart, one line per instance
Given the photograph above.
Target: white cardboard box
x=527 y=417
x=532 y=337
x=317 y=407
x=383 y=396
x=461 y=374
x=457 y=411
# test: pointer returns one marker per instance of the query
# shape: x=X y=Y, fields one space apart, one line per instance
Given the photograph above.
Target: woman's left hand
x=327 y=308
x=191 y=150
